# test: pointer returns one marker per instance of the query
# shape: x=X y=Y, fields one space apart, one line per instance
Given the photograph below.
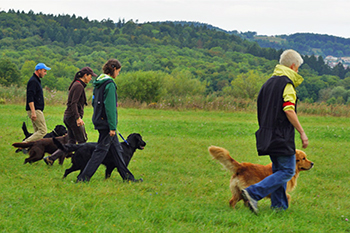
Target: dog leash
x=123 y=138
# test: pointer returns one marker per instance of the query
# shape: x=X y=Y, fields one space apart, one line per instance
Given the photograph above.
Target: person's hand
x=112 y=133
x=304 y=140
x=33 y=116
x=80 y=122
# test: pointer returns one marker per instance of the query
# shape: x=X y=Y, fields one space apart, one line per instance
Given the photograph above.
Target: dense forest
x=159 y=59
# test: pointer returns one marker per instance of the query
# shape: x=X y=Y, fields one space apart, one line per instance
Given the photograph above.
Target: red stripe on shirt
x=288 y=104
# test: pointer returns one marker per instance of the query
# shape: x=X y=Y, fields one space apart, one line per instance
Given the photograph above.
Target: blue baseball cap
x=40 y=66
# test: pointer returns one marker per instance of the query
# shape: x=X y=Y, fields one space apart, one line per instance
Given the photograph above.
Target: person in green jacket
x=105 y=120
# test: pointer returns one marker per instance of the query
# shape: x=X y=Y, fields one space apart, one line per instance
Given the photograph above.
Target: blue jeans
x=283 y=168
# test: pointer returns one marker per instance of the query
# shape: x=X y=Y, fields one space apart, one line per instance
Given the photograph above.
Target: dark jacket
x=76 y=100
x=35 y=93
x=104 y=101
x=276 y=134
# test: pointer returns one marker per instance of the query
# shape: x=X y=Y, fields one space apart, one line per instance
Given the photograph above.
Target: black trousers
x=104 y=144
x=75 y=134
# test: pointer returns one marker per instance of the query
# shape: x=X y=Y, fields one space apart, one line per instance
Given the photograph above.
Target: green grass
x=184 y=190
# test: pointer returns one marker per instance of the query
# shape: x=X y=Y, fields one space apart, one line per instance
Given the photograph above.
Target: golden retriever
x=246 y=174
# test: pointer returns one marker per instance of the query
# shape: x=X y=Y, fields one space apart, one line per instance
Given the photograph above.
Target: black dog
x=59 y=130
x=84 y=151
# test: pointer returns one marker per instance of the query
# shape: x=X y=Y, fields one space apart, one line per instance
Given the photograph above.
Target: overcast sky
x=266 y=17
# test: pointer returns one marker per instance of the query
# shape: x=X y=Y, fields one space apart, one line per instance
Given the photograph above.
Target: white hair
x=290 y=57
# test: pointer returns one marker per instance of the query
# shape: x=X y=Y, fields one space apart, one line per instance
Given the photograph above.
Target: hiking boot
x=48 y=161
x=253 y=204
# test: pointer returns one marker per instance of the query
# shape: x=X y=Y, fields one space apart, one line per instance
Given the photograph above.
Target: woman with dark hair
x=73 y=116
x=105 y=120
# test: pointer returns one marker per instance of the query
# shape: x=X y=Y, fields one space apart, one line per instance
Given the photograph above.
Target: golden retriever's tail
x=223 y=156
x=22 y=144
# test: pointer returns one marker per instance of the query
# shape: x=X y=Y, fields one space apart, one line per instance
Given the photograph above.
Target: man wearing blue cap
x=35 y=102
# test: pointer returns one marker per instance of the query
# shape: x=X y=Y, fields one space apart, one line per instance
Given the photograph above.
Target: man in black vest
x=277 y=102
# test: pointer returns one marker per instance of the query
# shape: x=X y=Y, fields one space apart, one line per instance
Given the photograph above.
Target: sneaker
x=253 y=204
x=48 y=161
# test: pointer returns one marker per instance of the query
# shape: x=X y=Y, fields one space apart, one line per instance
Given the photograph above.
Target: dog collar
x=55 y=133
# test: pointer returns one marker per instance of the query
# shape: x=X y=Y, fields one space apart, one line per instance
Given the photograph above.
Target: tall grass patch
x=211 y=102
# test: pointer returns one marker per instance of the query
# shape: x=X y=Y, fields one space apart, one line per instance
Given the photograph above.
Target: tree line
x=305 y=43
x=173 y=59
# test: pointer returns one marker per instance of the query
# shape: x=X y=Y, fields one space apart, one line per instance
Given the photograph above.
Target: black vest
x=276 y=134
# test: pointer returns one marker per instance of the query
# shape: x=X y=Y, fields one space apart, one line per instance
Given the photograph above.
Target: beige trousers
x=39 y=126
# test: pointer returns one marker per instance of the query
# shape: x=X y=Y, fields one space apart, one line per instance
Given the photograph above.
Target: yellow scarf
x=281 y=70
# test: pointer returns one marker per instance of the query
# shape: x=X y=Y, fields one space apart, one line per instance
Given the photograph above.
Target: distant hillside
x=68 y=42
x=308 y=44
x=304 y=43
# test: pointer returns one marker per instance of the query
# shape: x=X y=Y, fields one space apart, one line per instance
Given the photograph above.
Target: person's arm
x=110 y=103
x=31 y=90
x=75 y=92
x=32 y=110
x=289 y=97
x=293 y=119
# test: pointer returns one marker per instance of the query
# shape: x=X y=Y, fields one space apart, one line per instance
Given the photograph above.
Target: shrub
x=140 y=86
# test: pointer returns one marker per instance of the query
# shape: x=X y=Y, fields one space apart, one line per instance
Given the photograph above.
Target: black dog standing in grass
x=84 y=151
x=60 y=130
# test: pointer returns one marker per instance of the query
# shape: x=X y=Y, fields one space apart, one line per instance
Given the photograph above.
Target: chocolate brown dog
x=59 y=130
x=38 y=148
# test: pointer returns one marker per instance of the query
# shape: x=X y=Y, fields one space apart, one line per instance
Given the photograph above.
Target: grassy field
x=184 y=190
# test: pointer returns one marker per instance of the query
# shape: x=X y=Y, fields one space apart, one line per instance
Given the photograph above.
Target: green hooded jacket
x=105 y=116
